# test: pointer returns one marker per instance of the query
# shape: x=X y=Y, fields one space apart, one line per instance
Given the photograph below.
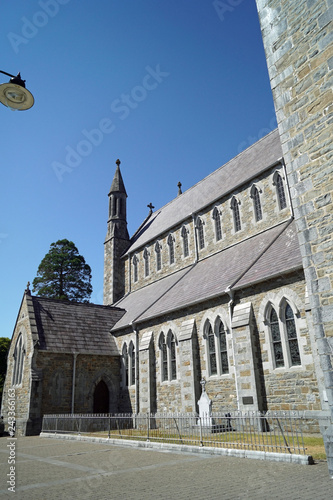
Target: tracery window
x=217 y=351
x=256 y=203
x=217 y=222
x=184 y=234
x=158 y=256
x=167 y=346
x=19 y=353
x=236 y=214
x=284 y=338
x=171 y=244
x=201 y=234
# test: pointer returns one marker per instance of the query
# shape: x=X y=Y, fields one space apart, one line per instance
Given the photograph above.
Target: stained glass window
x=211 y=351
x=173 y=357
x=276 y=339
x=223 y=349
x=146 y=259
x=295 y=358
x=171 y=249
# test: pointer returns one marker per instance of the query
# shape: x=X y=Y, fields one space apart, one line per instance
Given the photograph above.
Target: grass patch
x=314 y=445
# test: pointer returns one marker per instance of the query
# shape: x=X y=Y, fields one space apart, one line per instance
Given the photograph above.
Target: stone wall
x=251 y=373
x=297 y=39
x=20 y=392
x=57 y=369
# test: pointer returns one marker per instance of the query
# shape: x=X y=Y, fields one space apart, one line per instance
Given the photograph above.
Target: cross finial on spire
x=203 y=385
x=118 y=162
x=27 y=290
x=150 y=206
x=179 y=188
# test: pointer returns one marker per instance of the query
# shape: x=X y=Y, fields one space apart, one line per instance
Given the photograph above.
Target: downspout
x=230 y=292
x=195 y=237
x=73 y=381
x=137 y=407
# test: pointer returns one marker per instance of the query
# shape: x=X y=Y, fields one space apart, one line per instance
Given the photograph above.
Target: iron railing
x=271 y=432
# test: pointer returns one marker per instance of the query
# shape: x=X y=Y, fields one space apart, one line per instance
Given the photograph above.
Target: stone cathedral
x=210 y=286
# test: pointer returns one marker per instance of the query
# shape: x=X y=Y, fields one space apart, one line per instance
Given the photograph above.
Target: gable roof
x=247 y=165
x=258 y=258
x=74 y=327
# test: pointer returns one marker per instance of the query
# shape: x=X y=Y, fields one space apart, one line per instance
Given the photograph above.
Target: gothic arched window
x=184 y=235
x=19 y=353
x=280 y=193
x=211 y=350
x=146 y=261
x=256 y=203
x=171 y=243
x=158 y=256
x=131 y=364
x=222 y=340
x=201 y=234
x=217 y=222
x=167 y=346
x=276 y=338
x=236 y=214
x=295 y=358
x=125 y=365
x=135 y=268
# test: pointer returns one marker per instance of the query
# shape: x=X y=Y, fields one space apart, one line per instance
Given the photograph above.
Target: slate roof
x=75 y=327
x=258 y=258
x=247 y=165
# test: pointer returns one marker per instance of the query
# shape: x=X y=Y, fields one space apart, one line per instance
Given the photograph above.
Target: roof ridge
x=214 y=171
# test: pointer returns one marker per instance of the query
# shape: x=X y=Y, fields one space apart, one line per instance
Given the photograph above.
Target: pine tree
x=63 y=274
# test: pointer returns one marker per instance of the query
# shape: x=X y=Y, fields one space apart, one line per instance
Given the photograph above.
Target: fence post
x=201 y=442
x=56 y=426
x=109 y=427
x=148 y=422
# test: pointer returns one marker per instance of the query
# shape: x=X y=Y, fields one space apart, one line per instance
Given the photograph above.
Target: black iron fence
x=280 y=432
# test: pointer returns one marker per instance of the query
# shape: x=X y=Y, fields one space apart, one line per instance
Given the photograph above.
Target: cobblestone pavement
x=61 y=469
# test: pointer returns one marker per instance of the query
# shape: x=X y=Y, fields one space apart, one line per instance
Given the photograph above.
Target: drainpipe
x=73 y=381
x=195 y=237
x=230 y=292
x=137 y=407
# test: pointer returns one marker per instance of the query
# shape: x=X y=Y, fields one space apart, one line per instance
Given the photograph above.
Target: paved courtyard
x=56 y=469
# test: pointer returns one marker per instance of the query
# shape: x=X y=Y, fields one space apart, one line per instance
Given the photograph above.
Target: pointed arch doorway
x=101 y=398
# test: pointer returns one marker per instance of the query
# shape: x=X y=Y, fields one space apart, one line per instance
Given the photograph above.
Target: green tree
x=4 y=348
x=63 y=274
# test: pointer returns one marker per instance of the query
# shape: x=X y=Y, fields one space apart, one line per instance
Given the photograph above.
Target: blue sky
x=173 y=88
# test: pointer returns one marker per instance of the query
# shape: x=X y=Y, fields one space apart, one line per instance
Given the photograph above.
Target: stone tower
x=297 y=39
x=116 y=241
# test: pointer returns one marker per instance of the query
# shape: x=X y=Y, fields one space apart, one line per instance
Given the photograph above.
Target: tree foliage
x=63 y=274
x=4 y=348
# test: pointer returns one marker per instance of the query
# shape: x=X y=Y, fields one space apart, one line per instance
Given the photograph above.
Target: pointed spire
x=117 y=185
